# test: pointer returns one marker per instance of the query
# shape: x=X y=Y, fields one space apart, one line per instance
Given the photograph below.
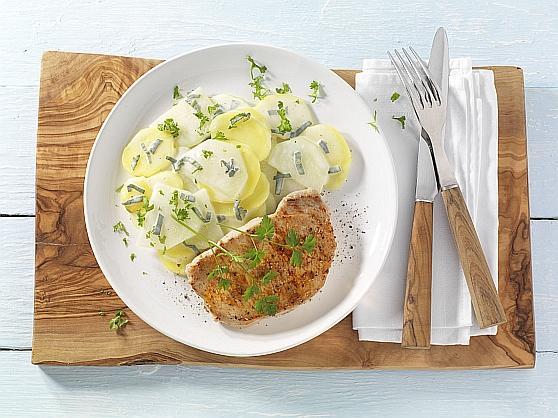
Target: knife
x=484 y=296
x=417 y=302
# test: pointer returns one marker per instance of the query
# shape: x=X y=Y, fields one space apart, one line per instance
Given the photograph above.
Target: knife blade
x=417 y=302
x=484 y=295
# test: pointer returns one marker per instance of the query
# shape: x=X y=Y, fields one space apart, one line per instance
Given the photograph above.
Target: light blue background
x=339 y=34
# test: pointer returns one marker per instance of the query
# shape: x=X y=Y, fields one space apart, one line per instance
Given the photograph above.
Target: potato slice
x=176 y=258
x=170 y=178
x=146 y=153
x=132 y=193
x=251 y=131
x=303 y=160
x=256 y=199
x=336 y=150
x=229 y=102
x=232 y=221
x=298 y=113
x=218 y=166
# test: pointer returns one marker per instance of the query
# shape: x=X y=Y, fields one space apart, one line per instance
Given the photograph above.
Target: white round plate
x=363 y=212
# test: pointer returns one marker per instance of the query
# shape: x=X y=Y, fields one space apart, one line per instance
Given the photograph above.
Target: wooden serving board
x=77 y=92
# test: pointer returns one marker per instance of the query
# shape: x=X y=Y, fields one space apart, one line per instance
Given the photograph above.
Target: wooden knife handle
x=486 y=303
x=416 y=308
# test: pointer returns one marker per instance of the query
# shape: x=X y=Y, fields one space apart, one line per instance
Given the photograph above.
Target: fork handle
x=416 y=307
x=486 y=303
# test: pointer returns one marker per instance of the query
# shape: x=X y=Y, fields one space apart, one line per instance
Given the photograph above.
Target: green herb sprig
x=315 y=91
x=374 y=122
x=119 y=320
x=285 y=125
x=260 y=91
x=170 y=126
x=401 y=119
x=284 y=89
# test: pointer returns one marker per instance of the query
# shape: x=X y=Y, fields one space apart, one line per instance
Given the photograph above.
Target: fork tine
x=407 y=83
x=421 y=76
x=427 y=75
x=410 y=79
x=414 y=77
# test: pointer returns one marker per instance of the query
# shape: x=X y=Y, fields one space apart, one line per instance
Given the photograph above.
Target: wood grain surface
x=418 y=289
x=484 y=296
x=77 y=91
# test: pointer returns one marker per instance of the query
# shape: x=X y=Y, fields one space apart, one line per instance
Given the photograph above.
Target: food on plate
x=270 y=266
x=201 y=173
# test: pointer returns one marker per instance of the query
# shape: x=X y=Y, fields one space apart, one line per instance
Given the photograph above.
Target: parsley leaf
x=296 y=258
x=170 y=126
x=133 y=257
x=374 y=122
x=253 y=66
x=220 y=135
x=266 y=229
x=224 y=284
x=206 y=153
x=118 y=321
x=269 y=276
x=238 y=118
x=143 y=211
x=176 y=93
x=284 y=89
x=292 y=239
x=119 y=227
x=267 y=305
x=395 y=96
x=309 y=243
x=218 y=271
x=401 y=120
x=250 y=292
x=315 y=87
x=202 y=118
x=119 y=188
x=255 y=256
x=285 y=125
x=259 y=90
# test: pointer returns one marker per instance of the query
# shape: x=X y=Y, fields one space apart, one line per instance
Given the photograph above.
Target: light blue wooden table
x=338 y=33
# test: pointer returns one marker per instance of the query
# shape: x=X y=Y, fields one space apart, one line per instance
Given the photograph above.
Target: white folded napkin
x=471 y=143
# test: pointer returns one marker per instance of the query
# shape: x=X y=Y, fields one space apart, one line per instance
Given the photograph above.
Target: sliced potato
x=229 y=102
x=252 y=168
x=210 y=165
x=256 y=199
x=176 y=258
x=146 y=153
x=134 y=190
x=297 y=112
x=170 y=178
x=232 y=221
x=251 y=132
x=303 y=160
x=163 y=230
x=335 y=148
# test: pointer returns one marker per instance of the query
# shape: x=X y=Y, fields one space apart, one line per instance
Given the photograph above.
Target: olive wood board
x=76 y=94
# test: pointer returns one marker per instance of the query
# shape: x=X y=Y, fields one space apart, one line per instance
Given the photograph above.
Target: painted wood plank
x=16 y=292
x=542 y=126
x=17 y=258
x=337 y=32
x=215 y=392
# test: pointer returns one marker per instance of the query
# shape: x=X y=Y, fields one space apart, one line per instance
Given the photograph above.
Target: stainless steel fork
x=429 y=100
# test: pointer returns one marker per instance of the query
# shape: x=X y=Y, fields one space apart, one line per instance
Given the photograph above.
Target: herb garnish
x=238 y=118
x=119 y=188
x=143 y=211
x=170 y=126
x=257 y=81
x=395 y=96
x=119 y=227
x=203 y=120
x=267 y=305
x=401 y=120
x=118 y=321
x=176 y=95
x=315 y=87
x=374 y=122
x=284 y=89
x=285 y=125
x=220 y=135
x=133 y=257
x=207 y=153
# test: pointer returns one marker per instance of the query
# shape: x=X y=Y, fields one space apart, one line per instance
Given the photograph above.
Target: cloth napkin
x=471 y=143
